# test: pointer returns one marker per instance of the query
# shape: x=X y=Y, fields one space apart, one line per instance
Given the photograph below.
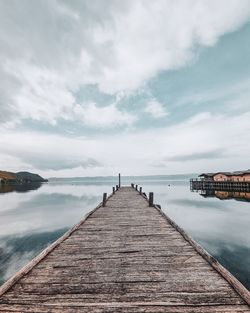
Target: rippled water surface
x=31 y=219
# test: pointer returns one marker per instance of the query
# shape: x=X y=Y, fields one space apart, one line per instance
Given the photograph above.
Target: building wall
x=247 y=177
x=241 y=178
x=237 y=178
x=220 y=177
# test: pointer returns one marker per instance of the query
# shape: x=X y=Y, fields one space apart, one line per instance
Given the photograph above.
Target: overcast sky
x=140 y=87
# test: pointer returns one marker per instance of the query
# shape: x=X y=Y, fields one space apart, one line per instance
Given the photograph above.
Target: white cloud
x=11 y=161
x=151 y=36
x=108 y=116
x=147 y=152
x=44 y=96
x=56 y=47
x=156 y=109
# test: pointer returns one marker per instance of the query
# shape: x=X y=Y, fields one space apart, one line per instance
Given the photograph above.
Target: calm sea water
x=32 y=219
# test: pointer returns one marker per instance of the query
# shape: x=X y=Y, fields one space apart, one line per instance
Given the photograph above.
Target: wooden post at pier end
x=117 y=187
x=113 y=190
x=136 y=187
x=140 y=190
x=104 y=199
x=132 y=185
x=119 y=180
x=151 y=199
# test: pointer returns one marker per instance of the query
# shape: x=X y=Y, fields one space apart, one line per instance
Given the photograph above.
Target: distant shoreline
x=126 y=177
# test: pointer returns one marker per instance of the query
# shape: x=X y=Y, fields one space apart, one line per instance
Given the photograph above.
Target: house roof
x=226 y=173
x=207 y=174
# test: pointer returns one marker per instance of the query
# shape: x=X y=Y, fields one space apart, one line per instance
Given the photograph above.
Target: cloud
x=108 y=116
x=44 y=97
x=42 y=162
x=151 y=37
x=34 y=151
x=156 y=109
x=203 y=142
x=214 y=154
x=51 y=48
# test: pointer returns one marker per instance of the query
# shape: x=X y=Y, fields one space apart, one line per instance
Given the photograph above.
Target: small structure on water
x=222 y=181
x=237 y=176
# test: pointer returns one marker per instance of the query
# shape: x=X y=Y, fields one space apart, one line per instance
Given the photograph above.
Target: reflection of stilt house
x=241 y=196
x=223 y=194
x=226 y=195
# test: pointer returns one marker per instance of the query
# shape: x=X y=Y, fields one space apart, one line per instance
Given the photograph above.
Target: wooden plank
x=181 y=298
x=144 y=307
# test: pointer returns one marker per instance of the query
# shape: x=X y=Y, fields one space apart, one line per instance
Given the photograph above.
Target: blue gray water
x=31 y=219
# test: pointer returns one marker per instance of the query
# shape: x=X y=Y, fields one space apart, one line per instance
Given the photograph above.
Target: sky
x=94 y=88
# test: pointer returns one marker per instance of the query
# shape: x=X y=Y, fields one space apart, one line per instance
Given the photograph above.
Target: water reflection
x=20 y=187
x=31 y=221
x=226 y=195
x=17 y=250
x=235 y=257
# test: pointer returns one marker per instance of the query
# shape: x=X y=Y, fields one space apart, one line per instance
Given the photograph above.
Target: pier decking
x=125 y=257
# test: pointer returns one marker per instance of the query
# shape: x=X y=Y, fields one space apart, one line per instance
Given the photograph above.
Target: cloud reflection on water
x=17 y=251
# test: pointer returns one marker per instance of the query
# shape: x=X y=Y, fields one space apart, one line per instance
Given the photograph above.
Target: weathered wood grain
x=124 y=257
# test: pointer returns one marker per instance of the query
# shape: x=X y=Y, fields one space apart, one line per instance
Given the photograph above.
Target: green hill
x=20 y=177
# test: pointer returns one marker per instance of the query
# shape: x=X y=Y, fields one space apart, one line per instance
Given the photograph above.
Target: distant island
x=20 y=178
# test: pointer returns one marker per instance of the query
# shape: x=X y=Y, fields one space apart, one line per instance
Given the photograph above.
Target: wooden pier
x=125 y=256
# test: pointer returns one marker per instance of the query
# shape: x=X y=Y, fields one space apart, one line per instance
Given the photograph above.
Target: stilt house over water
x=237 y=176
